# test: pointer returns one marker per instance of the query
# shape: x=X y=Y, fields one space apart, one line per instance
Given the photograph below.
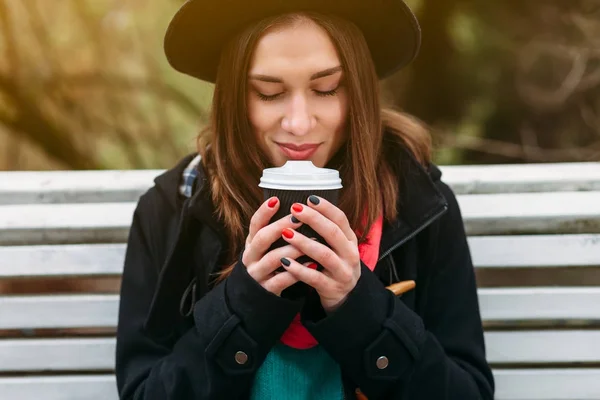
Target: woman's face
x=297 y=103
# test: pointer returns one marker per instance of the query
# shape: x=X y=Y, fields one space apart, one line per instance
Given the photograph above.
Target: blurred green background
x=84 y=84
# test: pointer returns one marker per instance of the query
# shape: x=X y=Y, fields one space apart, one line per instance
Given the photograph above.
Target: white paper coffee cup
x=296 y=180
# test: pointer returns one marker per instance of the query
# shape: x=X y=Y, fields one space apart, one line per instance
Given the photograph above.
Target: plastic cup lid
x=300 y=175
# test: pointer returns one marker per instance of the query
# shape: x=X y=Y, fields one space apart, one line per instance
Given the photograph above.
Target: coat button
x=382 y=362
x=241 y=357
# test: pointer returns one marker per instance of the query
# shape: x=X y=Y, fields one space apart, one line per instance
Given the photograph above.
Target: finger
x=278 y=283
x=334 y=214
x=310 y=276
x=321 y=254
x=331 y=232
x=262 y=216
x=262 y=269
x=265 y=237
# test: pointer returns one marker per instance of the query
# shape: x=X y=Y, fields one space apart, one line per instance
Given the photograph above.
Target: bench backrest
x=534 y=233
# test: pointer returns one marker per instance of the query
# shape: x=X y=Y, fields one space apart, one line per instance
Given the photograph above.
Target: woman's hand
x=341 y=263
x=261 y=236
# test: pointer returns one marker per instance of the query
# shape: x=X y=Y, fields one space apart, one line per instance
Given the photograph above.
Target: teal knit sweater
x=294 y=374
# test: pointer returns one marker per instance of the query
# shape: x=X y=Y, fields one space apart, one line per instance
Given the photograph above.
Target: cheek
x=333 y=121
x=335 y=117
x=264 y=121
x=263 y=116
x=255 y=115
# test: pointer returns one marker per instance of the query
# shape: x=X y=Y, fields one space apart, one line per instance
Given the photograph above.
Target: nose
x=298 y=119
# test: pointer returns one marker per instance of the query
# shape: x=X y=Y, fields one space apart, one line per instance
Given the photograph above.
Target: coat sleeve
x=440 y=355
x=201 y=363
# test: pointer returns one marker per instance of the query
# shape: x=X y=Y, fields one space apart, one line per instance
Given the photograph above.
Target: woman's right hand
x=261 y=235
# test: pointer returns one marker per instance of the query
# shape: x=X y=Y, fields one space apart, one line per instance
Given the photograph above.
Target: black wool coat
x=178 y=334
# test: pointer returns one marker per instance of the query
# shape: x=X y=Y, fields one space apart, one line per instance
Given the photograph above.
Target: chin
x=317 y=163
x=278 y=160
x=320 y=160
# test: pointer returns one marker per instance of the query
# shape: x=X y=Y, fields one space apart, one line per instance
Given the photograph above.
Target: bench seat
x=533 y=231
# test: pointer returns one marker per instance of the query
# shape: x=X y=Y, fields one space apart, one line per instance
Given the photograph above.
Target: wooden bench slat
x=22 y=187
x=61 y=260
x=535 y=251
x=74 y=354
x=565 y=212
x=539 y=303
x=497 y=304
x=69 y=387
x=44 y=187
x=65 y=223
x=550 y=384
x=65 y=311
x=474 y=179
x=487 y=252
x=570 y=346
x=515 y=384
x=98 y=354
x=531 y=213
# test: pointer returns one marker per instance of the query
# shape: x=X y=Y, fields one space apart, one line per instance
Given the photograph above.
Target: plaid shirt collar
x=190 y=173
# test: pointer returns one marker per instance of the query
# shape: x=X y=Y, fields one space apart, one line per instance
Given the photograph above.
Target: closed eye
x=265 y=97
x=272 y=97
x=327 y=93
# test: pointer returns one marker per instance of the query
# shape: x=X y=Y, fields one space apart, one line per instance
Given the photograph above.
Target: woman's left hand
x=341 y=262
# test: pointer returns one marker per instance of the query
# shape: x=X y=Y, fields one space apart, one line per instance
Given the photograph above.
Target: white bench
x=527 y=225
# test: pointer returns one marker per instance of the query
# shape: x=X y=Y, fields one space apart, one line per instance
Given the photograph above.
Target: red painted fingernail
x=272 y=203
x=297 y=207
x=287 y=233
x=312 y=265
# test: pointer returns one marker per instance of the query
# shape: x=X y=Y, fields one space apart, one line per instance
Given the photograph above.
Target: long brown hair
x=234 y=162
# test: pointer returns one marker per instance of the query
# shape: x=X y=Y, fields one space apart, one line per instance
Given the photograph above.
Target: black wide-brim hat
x=200 y=29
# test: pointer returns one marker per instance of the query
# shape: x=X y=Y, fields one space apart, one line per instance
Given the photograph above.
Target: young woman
x=201 y=315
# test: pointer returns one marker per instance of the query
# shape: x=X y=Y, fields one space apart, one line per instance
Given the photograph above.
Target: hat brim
x=200 y=28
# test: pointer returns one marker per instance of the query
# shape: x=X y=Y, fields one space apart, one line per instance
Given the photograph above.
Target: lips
x=306 y=146
x=298 y=152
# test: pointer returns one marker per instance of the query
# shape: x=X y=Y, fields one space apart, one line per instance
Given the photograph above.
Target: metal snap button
x=382 y=362
x=241 y=357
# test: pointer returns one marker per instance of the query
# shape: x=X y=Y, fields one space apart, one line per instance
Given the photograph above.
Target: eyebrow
x=317 y=75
